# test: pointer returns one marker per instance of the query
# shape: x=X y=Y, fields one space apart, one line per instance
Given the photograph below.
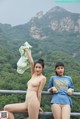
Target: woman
x=62 y=88
x=33 y=96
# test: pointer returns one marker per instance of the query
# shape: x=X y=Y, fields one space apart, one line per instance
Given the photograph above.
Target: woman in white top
x=34 y=88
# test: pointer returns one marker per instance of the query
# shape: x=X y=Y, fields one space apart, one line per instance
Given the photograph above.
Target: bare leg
x=66 y=112
x=33 y=108
x=18 y=107
x=10 y=115
x=56 y=110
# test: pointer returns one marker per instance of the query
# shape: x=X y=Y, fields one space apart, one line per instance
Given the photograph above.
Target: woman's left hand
x=70 y=91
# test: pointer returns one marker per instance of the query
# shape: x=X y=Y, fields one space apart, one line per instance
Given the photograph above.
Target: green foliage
x=57 y=47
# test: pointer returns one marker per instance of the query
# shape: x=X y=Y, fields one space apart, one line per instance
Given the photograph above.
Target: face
x=59 y=70
x=38 y=68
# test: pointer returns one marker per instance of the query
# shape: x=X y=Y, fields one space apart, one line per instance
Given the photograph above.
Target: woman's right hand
x=54 y=90
x=26 y=49
x=40 y=109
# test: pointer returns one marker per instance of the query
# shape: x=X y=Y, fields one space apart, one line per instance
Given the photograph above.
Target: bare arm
x=41 y=88
x=30 y=60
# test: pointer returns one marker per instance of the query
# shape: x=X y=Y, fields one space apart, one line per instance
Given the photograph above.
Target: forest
x=61 y=46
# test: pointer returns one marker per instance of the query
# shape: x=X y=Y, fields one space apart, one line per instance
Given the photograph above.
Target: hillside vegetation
x=56 y=45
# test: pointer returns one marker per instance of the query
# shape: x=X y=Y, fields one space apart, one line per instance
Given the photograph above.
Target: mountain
x=55 y=19
x=54 y=36
x=41 y=24
x=56 y=30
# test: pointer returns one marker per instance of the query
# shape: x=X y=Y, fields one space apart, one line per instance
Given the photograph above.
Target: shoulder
x=53 y=77
x=68 y=77
x=43 y=78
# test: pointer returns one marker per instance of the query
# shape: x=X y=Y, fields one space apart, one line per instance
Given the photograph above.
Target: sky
x=17 y=12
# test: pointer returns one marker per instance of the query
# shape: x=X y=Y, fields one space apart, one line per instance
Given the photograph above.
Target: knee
x=6 y=108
